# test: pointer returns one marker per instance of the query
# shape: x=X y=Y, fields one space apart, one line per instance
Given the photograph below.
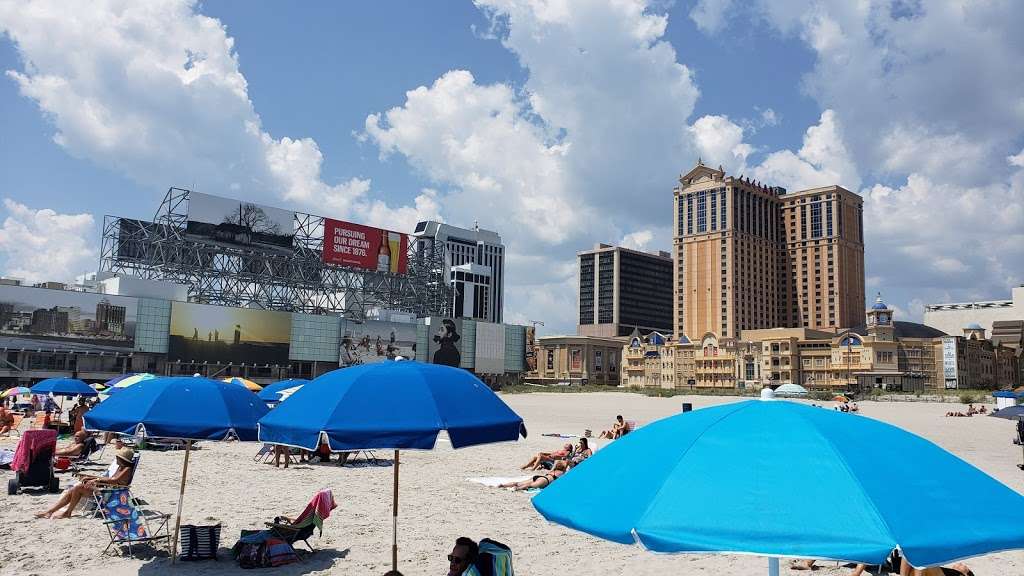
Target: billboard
x=531 y=349
x=376 y=341
x=358 y=246
x=949 y=363
x=237 y=222
x=444 y=345
x=218 y=334
x=490 y=348
x=68 y=315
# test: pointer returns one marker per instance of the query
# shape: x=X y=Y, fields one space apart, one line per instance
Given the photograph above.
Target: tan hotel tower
x=750 y=256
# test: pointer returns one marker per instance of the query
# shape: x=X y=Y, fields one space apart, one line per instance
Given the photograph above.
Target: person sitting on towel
x=461 y=562
x=540 y=457
x=618 y=429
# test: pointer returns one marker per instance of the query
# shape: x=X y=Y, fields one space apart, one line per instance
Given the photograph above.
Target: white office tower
x=474 y=265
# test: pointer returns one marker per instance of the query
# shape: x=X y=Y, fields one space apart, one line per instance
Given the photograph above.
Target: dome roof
x=973 y=326
x=879 y=305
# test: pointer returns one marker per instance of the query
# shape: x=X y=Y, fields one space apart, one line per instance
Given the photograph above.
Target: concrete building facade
x=577 y=360
x=621 y=290
x=475 y=267
x=750 y=256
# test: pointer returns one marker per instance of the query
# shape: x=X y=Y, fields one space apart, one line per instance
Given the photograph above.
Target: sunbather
x=581 y=453
x=541 y=457
x=88 y=484
x=76 y=447
x=6 y=420
x=618 y=429
x=958 y=569
x=538 y=481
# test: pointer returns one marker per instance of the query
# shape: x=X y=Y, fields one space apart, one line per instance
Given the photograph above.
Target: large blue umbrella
x=63 y=387
x=188 y=408
x=784 y=479
x=391 y=405
x=1010 y=412
x=272 y=392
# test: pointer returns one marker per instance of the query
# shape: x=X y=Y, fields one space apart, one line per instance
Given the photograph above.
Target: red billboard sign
x=359 y=246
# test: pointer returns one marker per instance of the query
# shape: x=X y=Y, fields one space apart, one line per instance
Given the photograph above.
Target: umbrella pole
x=394 y=521
x=773 y=566
x=181 y=499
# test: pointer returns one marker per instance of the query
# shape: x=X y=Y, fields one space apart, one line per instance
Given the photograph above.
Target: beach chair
x=266 y=451
x=92 y=507
x=41 y=420
x=15 y=425
x=494 y=559
x=128 y=524
x=301 y=528
x=33 y=462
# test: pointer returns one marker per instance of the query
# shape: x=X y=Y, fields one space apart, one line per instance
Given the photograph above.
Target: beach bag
x=251 y=555
x=280 y=552
x=199 y=542
x=62 y=463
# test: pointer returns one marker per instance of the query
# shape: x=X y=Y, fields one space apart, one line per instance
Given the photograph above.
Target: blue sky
x=558 y=124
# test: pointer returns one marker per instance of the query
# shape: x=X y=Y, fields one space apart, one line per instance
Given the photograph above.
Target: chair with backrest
x=129 y=524
x=494 y=559
x=15 y=424
x=302 y=527
x=33 y=462
x=40 y=420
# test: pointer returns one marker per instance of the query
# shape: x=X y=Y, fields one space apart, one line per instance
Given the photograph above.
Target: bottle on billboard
x=394 y=245
x=384 y=253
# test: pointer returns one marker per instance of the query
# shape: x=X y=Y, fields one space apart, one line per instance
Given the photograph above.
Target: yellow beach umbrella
x=244 y=382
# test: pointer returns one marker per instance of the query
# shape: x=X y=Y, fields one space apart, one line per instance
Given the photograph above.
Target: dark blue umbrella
x=754 y=477
x=1010 y=412
x=272 y=392
x=63 y=387
x=188 y=408
x=391 y=405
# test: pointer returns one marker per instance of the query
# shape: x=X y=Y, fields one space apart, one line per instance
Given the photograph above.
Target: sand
x=437 y=503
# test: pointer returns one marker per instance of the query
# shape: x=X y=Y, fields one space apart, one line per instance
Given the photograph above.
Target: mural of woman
x=447 y=337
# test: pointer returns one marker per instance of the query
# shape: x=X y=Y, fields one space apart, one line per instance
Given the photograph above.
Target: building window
x=723 y=222
x=689 y=214
x=816 y=220
x=701 y=213
x=714 y=210
x=551 y=359
x=828 y=221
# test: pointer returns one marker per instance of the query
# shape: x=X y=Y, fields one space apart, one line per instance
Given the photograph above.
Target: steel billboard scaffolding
x=293 y=279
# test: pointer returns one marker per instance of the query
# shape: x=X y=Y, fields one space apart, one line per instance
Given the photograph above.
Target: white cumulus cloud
x=40 y=245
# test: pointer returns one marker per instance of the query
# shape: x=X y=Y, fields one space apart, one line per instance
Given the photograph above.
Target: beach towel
x=318 y=510
x=496 y=481
x=6 y=457
x=552 y=435
x=32 y=442
x=494 y=559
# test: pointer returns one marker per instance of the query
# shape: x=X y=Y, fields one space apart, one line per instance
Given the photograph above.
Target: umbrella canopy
x=1010 y=413
x=185 y=407
x=98 y=386
x=395 y=405
x=791 y=390
x=755 y=476
x=249 y=384
x=272 y=392
x=16 y=391
x=391 y=405
x=189 y=408
x=841 y=398
x=127 y=381
x=63 y=387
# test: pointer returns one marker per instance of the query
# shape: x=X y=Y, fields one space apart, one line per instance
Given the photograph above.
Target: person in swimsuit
x=538 y=481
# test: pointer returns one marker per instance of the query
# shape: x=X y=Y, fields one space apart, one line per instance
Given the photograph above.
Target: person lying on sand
x=618 y=429
x=74 y=449
x=88 y=484
x=536 y=462
x=538 y=481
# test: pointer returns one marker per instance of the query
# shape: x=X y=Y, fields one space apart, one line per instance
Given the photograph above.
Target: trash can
x=687 y=407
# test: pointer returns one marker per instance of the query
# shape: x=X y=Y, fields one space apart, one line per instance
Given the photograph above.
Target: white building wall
x=952 y=318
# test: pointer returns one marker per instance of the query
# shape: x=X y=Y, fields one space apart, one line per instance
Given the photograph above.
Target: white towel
x=495 y=481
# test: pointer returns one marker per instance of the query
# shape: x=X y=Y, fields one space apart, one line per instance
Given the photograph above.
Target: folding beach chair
x=15 y=425
x=302 y=527
x=128 y=524
x=40 y=420
x=266 y=451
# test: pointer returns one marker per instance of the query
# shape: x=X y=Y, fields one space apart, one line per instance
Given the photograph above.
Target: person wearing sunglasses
x=461 y=560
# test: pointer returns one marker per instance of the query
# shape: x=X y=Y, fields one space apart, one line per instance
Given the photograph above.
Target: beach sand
x=437 y=503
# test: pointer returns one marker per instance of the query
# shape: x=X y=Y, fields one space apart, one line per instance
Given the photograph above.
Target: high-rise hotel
x=751 y=256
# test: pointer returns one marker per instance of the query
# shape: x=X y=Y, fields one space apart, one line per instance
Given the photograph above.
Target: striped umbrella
x=16 y=391
x=249 y=384
x=119 y=384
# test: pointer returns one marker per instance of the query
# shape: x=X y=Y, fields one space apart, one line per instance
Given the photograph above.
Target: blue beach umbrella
x=187 y=408
x=761 y=477
x=272 y=392
x=1010 y=412
x=63 y=387
x=394 y=405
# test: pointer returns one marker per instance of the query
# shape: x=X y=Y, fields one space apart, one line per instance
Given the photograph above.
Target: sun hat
x=126 y=455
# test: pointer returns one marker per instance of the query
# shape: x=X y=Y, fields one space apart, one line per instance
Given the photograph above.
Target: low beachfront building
x=577 y=360
x=881 y=353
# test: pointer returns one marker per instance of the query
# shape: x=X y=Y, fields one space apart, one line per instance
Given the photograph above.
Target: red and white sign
x=348 y=244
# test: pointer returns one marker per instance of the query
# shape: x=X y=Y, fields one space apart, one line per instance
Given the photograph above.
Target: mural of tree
x=254 y=218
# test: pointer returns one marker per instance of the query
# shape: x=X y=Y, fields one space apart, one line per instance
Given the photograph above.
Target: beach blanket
x=32 y=441
x=553 y=435
x=6 y=457
x=495 y=481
